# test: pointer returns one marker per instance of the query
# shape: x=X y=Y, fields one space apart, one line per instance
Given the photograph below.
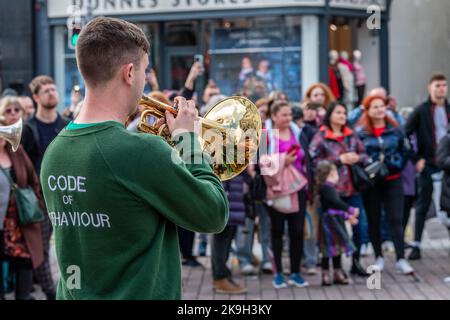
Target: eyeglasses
x=9 y=111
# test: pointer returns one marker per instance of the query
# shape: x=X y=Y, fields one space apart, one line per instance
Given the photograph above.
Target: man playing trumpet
x=115 y=197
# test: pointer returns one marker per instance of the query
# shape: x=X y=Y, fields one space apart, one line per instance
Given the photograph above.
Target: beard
x=49 y=106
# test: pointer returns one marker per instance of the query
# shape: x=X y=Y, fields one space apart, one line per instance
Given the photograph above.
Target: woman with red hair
x=384 y=142
x=320 y=93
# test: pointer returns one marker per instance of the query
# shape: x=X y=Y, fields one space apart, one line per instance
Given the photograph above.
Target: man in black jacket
x=429 y=122
x=38 y=133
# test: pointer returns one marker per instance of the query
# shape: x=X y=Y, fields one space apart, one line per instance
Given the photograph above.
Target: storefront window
x=180 y=34
x=257 y=56
x=72 y=77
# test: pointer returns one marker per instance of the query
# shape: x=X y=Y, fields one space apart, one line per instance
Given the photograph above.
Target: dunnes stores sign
x=65 y=8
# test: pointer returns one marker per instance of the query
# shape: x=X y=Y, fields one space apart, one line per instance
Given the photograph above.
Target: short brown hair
x=38 y=82
x=276 y=107
x=105 y=44
x=438 y=77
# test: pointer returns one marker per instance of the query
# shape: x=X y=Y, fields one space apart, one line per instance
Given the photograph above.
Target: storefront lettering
x=188 y=3
x=144 y=4
x=59 y=8
x=358 y=4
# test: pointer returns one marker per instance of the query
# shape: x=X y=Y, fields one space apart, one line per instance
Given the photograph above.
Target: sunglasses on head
x=9 y=111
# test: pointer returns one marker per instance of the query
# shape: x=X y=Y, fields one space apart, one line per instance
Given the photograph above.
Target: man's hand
x=186 y=118
x=420 y=165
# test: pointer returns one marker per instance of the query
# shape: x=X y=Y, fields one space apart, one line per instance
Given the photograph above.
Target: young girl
x=333 y=237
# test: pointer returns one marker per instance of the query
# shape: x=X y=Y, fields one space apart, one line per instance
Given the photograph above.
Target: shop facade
x=292 y=38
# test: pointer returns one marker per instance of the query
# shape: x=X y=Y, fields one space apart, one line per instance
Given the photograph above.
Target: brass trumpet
x=236 y=121
x=12 y=134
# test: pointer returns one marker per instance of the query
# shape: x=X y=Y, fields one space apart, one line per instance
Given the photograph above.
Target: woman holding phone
x=284 y=138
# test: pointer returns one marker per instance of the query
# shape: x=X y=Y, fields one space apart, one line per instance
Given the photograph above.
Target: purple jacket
x=325 y=146
x=235 y=193
x=409 y=174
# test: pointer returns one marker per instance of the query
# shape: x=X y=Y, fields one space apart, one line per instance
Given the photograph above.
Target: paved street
x=431 y=271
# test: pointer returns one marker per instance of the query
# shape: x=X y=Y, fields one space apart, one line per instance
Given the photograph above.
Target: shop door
x=179 y=61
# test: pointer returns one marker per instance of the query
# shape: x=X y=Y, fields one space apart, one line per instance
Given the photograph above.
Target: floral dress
x=15 y=246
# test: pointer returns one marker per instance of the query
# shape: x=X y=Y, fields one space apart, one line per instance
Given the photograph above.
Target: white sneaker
x=248 y=270
x=380 y=263
x=447 y=280
x=404 y=267
x=267 y=267
x=364 y=250
x=311 y=271
x=388 y=246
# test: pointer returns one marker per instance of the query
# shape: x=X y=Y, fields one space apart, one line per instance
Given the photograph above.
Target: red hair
x=366 y=121
x=329 y=96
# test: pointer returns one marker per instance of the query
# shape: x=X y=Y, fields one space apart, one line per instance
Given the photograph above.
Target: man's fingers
x=192 y=108
x=170 y=119
x=191 y=104
x=160 y=122
x=180 y=102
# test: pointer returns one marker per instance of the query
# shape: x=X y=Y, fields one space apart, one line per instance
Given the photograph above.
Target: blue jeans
x=361 y=230
x=245 y=236
x=310 y=248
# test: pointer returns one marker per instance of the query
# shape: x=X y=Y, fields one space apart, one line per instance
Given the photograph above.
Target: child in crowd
x=333 y=237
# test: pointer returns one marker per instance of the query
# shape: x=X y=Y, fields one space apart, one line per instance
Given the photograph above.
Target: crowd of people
x=327 y=205
x=328 y=146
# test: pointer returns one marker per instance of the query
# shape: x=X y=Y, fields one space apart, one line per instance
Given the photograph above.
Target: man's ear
x=128 y=73
x=36 y=98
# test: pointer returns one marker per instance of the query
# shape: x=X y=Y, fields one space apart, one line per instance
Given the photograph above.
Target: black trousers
x=296 y=225
x=23 y=271
x=220 y=251
x=408 y=205
x=424 y=198
x=337 y=265
x=186 y=240
x=387 y=195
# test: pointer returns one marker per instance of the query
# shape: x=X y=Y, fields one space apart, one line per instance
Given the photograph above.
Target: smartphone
x=294 y=149
x=199 y=58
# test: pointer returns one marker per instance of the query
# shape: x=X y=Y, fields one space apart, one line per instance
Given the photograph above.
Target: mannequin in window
x=334 y=75
x=348 y=79
x=360 y=76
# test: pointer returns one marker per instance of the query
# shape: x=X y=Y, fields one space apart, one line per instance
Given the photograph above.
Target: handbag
x=27 y=204
x=378 y=170
x=364 y=178
x=360 y=178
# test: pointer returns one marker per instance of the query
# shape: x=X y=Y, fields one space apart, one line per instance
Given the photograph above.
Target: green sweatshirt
x=114 y=199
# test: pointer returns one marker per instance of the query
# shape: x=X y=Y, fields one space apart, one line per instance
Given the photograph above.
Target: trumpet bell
x=230 y=132
x=12 y=134
x=238 y=119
